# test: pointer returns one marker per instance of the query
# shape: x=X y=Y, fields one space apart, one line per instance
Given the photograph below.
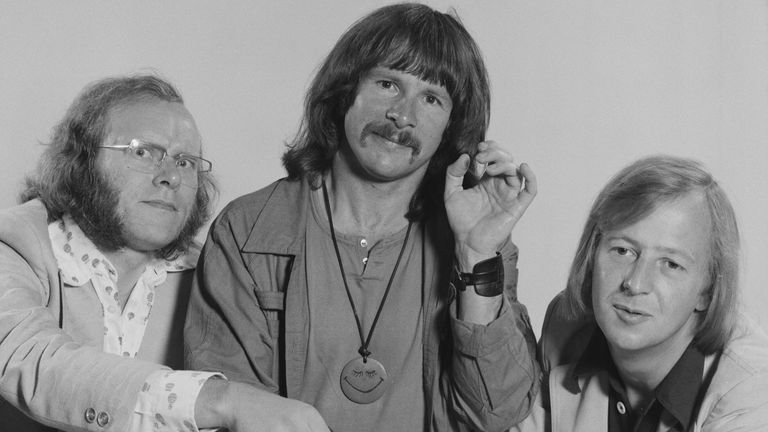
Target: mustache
x=390 y=132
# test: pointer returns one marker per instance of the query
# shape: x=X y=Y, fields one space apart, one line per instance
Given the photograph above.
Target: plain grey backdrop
x=580 y=89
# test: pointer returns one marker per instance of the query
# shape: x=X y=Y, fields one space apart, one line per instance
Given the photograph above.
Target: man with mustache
x=95 y=269
x=370 y=283
x=648 y=335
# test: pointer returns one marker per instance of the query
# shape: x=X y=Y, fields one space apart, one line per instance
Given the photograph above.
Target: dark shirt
x=674 y=400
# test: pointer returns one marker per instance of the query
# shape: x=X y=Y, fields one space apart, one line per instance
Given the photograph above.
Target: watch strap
x=487 y=277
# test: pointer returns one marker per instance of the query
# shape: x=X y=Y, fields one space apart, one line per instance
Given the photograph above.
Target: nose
x=168 y=174
x=402 y=113
x=639 y=278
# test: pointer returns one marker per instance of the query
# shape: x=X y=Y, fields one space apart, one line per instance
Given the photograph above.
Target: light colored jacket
x=736 y=399
x=52 y=367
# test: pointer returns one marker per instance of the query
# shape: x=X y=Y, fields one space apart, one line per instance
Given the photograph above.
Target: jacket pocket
x=272 y=303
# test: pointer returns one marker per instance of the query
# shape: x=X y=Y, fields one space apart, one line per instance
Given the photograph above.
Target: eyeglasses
x=151 y=156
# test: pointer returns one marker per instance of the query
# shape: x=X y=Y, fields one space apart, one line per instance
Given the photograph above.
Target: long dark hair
x=406 y=37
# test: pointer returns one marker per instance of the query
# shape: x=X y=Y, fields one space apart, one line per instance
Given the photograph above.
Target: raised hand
x=482 y=217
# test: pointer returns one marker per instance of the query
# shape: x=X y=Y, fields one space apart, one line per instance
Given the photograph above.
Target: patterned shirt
x=167 y=399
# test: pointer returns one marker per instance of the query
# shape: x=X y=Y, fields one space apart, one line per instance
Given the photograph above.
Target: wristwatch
x=487 y=276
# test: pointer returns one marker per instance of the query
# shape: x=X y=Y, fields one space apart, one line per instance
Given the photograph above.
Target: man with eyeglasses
x=95 y=269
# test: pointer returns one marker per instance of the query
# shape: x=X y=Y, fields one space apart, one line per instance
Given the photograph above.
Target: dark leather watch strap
x=487 y=277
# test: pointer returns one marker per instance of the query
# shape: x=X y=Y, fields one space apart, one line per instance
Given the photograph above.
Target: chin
x=151 y=241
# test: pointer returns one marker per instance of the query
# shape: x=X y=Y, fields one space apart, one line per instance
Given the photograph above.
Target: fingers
x=454 y=175
x=490 y=152
x=498 y=161
x=531 y=186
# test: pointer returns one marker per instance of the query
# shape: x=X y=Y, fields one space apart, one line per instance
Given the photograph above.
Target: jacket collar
x=287 y=201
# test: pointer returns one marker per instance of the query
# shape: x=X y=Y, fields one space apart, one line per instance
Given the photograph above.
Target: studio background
x=580 y=89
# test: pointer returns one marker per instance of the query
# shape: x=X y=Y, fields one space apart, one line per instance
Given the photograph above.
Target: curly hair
x=66 y=175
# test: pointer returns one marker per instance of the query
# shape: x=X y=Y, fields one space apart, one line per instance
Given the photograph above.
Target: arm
x=242 y=407
x=494 y=373
x=482 y=217
x=225 y=329
x=232 y=326
x=43 y=372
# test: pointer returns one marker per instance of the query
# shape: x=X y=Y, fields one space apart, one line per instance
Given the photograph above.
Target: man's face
x=395 y=124
x=651 y=277
x=153 y=204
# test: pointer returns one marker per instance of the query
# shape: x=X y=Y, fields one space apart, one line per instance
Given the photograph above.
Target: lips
x=631 y=311
x=392 y=139
x=163 y=205
x=391 y=134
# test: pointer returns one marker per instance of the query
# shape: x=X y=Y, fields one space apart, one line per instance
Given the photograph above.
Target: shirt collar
x=678 y=390
x=79 y=259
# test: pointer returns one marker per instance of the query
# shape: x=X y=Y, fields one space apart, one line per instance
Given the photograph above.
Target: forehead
x=168 y=124
x=683 y=224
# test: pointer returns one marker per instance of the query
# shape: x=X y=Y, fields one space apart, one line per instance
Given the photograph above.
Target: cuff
x=477 y=340
x=167 y=399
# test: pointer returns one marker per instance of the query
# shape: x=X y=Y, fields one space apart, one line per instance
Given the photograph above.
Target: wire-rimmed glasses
x=151 y=156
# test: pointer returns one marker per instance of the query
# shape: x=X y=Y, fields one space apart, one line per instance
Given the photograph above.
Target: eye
x=673 y=265
x=433 y=100
x=142 y=152
x=186 y=163
x=622 y=252
x=387 y=86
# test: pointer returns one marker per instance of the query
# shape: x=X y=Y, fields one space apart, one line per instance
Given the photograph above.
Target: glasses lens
x=147 y=154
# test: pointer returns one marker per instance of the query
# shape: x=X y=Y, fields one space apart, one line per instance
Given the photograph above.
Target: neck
x=643 y=370
x=373 y=209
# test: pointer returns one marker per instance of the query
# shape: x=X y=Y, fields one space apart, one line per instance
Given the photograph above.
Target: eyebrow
x=167 y=148
x=393 y=74
x=664 y=249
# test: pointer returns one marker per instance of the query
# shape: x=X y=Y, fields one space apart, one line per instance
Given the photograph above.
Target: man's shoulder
x=269 y=219
x=24 y=233
x=737 y=392
x=21 y=222
x=746 y=354
x=283 y=193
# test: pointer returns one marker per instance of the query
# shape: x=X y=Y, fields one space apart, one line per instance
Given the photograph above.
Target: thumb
x=454 y=175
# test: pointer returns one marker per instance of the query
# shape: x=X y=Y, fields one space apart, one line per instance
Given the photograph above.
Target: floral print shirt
x=167 y=399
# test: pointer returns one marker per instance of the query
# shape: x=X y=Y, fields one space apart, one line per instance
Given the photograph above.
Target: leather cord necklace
x=363 y=379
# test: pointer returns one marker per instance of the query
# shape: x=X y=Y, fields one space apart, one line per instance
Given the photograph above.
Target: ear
x=705 y=298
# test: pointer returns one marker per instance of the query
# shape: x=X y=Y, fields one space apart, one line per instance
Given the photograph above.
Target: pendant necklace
x=363 y=379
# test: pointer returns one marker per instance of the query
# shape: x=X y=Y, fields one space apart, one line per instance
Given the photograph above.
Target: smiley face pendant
x=363 y=381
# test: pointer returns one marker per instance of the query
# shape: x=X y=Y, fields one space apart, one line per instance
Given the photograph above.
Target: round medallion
x=363 y=381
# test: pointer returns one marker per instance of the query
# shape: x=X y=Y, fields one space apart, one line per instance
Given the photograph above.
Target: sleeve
x=494 y=376
x=43 y=372
x=167 y=401
x=232 y=322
